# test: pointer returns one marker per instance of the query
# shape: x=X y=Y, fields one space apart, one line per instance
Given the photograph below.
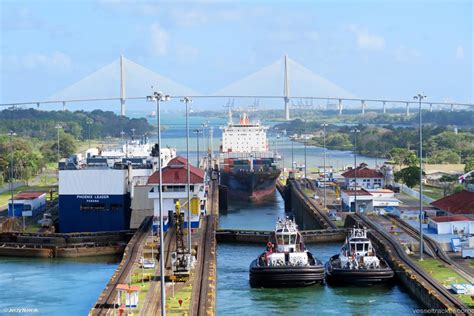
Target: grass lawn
x=432 y=192
x=172 y=303
x=445 y=276
x=5 y=196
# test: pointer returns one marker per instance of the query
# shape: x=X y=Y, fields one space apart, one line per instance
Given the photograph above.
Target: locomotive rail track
x=453 y=303
x=432 y=248
x=107 y=300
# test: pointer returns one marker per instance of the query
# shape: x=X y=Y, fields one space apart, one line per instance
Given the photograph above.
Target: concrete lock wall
x=404 y=274
x=304 y=216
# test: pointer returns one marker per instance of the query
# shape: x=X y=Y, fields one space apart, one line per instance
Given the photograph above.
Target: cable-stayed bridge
x=286 y=80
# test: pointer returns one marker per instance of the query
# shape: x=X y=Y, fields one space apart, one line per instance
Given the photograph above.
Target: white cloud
x=406 y=54
x=159 y=39
x=56 y=61
x=366 y=40
x=460 y=52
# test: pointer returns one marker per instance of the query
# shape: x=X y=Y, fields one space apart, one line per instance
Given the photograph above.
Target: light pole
x=355 y=131
x=204 y=137
x=197 y=132
x=304 y=141
x=157 y=97
x=11 y=134
x=89 y=122
x=133 y=133
x=420 y=97
x=324 y=125
x=188 y=100
x=122 y=133
x=292 y=158
x=58 y=127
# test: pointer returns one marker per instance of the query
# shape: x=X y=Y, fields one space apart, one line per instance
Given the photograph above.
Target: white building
x=369 y=200
x=27 y=203
x=451 y=224
x=366 y=178
x=175 y=189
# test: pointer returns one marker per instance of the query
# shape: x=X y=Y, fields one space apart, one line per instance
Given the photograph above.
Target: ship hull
x=248 y=185
x=337 y=275
x=283 y=276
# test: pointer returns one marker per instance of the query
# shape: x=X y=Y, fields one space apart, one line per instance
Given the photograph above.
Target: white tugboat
x=286 y=262
x=357 y=262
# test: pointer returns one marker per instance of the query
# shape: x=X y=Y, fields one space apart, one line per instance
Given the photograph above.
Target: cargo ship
x=96 y=191
x=246 y=165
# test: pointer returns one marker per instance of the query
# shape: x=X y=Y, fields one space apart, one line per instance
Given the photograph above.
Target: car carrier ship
x=246 y=165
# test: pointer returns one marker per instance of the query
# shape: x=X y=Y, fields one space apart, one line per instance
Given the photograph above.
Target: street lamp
x=420 y=97
x=11 y=134
x=89 y=122
x=197 y=132
x=304 y=142
x=58 y=127
x=157 y=97
x=292 y=158
x=355 y=131
x=122 y=133
x=324 y=125
x=188 y=100
x=133 y=133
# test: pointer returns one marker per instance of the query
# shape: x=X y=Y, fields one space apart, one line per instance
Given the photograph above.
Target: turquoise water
x=235 y=297
x=53 y=286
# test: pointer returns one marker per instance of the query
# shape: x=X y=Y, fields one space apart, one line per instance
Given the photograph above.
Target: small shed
x=130 y=292
x=27 y=204
x=451 y=224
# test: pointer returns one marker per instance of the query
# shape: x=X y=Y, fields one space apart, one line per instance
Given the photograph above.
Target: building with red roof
x=176 y=172
x=458 y=224
x=461 y=203
x=366 y=178
x=175 y=189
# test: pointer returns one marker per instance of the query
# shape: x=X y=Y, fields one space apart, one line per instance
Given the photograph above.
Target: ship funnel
x=244 y=119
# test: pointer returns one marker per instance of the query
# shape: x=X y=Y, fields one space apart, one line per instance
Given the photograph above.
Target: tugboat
x=288 y=264
x=357 y=262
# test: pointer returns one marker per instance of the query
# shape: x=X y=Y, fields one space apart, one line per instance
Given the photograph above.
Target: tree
x=447 y=183
x=445 y=156
x=409 y=175
x=403 y=156
x=67 y=145
x=469 y=164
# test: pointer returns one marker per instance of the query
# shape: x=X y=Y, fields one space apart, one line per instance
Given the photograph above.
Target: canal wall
x=421 y=291
x=63 y=245
x=262 y=237
x=306 y=214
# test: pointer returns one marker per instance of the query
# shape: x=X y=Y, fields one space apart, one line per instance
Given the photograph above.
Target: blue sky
x=386 y=49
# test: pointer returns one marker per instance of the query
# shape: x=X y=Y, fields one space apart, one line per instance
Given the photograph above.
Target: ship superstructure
x=247 y=166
